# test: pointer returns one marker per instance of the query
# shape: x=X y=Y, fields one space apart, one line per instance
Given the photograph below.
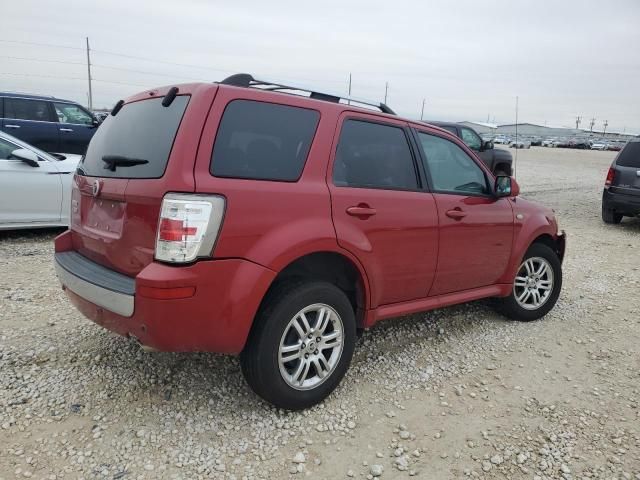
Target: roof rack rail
x=247 y=80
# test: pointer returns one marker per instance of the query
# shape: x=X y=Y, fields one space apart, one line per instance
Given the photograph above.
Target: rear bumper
x=95 y=283
x=224 y=296
x=626 y=204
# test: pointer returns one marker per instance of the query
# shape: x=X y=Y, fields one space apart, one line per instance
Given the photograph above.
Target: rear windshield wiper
x=113 y=161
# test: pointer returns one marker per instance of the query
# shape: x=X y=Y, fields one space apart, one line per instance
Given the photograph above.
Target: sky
x=467 y=59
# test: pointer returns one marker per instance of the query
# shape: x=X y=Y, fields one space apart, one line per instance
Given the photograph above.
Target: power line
x=134 y=57
x=101 y=66
x=57 y=77
x=41 y=76
x=40 y=44
x=41 y=60
x=145 y=73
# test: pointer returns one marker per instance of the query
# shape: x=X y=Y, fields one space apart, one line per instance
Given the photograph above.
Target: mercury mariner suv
x=261 y=219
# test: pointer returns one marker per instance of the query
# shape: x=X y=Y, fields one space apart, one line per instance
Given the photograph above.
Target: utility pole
x=89 y=76
x=349 y=102
x=592 y=123
x=386 y=91
x=422 y=112
x=604 y=133
x=578 y=121
x=515 y=160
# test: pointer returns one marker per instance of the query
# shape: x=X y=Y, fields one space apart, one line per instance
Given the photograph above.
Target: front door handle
x=362 y=210
x=12 y=126
x=66 y=129
x=456 y=214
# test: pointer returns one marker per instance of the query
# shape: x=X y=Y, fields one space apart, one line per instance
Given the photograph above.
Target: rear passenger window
x=23 y=109
x=263 y=141
x=630 y=155
x=371 y=155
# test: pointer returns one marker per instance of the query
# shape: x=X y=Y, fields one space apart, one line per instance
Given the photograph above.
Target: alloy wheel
x=533 y=284
x=311 y=346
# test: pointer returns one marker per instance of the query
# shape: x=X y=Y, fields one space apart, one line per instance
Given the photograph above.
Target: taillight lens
x=188 y=226
x=611 y=175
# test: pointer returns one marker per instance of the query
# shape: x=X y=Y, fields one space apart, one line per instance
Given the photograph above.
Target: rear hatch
x=137 y=155
x=627 y=166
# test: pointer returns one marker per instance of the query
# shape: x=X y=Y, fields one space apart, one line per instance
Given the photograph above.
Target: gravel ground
x=455 y=393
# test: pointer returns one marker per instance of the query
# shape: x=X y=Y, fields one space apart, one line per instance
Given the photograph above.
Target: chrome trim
x=116 y=302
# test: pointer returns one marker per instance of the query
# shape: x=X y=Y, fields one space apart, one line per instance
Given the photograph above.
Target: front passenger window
x=69 y=113
x=450 y=168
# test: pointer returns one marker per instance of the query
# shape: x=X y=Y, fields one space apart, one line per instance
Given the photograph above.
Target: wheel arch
x=338 y=268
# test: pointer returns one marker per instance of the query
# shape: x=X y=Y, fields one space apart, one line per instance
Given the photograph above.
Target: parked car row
x=565 y=142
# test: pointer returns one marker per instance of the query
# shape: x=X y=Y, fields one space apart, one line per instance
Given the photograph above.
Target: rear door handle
x=66 y=129
x=12 y=126
x=362 y=210
x=456 y=214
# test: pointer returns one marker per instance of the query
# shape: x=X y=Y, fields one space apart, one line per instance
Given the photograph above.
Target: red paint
x=413 y=250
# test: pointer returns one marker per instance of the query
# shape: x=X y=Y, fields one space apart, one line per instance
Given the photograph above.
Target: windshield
x=142 y=130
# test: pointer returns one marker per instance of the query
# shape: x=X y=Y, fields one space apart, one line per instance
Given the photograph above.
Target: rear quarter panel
x=268 y=222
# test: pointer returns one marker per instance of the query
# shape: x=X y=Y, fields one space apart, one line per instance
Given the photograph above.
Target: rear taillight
x=611 y=175
x=188 y=226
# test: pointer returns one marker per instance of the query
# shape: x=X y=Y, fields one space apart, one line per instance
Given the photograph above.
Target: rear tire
x=290 y=325
x=610 y=216
x=535 y=289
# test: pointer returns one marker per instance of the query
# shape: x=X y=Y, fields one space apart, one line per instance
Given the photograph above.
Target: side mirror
x=506 y=187
x=487 y=145
x=27 y=156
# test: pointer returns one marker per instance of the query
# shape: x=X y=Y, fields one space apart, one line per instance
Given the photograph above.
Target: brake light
x=188 y=226
x=611 y=175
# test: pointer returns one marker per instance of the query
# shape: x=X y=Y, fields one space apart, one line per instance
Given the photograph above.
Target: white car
x=520 y=144
x=599 y=146
x=35 y=187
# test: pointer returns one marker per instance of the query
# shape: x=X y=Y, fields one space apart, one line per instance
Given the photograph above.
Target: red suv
x=241 y=218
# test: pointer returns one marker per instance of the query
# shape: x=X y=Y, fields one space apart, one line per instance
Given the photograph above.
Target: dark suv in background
x=499 y=161
x=621 y=195
x=51 y=124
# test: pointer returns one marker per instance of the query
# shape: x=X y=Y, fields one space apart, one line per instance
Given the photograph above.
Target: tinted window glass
x=70 y=113
x=630 y=155
x=374 y=156
x=263 y=141
x=450 y=168
x=471 y=139
x=21 y=109
x=142 y=130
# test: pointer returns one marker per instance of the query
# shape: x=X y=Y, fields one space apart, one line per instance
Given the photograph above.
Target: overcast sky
x=468 y=58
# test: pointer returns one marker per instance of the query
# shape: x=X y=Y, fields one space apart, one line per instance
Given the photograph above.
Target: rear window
x=142 y=130
x=263 y=141
x=630 y=155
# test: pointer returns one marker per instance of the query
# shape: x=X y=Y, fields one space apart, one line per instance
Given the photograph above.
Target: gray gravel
x=455 y=393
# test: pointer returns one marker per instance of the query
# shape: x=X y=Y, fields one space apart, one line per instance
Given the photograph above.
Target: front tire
x=536 y=287
x=301 y=344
